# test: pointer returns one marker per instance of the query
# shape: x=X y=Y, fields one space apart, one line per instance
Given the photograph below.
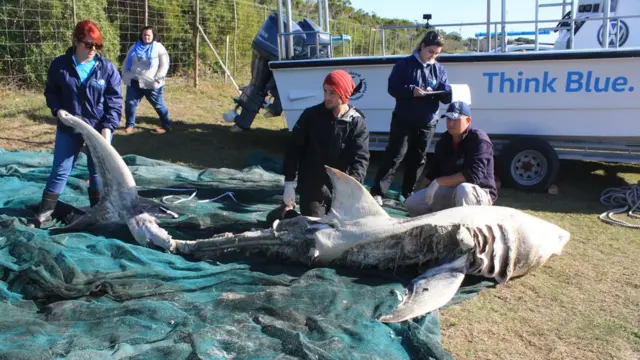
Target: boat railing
x=615 y=19
x=567 y=17
x=567 y=21
x=317 y=34
x=323 y=17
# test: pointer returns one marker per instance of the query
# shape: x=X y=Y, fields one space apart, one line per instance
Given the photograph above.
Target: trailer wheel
x=528 y=164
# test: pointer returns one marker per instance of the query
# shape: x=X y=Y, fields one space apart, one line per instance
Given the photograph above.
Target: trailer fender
x=529 y=164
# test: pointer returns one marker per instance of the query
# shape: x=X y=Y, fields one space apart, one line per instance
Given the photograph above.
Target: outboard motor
x=324 y=40
x=265 y=49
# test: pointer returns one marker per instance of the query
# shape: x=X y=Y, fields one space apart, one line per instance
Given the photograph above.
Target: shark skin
x=119 y=202
x=495 y=242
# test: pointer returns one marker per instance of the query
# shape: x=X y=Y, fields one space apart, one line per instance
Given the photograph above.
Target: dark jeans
x=65 y=153
x=314 y=203
x=155 y=98
x=405 y=138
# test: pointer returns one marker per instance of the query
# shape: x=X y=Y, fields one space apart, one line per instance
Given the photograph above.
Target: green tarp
x=98 y=295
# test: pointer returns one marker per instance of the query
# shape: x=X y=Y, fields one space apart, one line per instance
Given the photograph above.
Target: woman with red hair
x=85 y=84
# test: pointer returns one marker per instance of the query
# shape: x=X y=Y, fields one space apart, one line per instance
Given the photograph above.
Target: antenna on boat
x=426 y=17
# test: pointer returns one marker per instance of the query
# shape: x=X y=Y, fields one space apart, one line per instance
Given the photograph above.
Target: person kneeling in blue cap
x=461 y=172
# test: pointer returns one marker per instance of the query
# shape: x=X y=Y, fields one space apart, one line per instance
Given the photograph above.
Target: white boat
x=586 y=95
x=537 y=106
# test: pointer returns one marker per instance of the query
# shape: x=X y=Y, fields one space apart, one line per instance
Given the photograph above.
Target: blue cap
x=455 y=109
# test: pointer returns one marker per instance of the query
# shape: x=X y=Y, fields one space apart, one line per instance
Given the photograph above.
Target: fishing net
x=96 y=294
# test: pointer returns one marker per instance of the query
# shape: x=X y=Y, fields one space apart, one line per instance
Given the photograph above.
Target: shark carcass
x=495 y=242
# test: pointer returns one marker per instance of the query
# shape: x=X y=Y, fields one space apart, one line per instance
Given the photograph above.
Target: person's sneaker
x=378 y=199
x=128 y=130
x=229 y=116
x=235 y=128
x=160 y=131
x=268 y=113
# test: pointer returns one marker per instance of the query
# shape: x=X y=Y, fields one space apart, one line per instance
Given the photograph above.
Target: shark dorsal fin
x=351 y=200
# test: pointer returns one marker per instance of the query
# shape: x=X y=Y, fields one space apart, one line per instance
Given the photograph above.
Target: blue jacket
x=409 y=73
x=98 y=100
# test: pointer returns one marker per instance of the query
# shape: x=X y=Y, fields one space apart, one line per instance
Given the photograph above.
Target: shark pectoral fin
x=351 y=200
x=430 y=291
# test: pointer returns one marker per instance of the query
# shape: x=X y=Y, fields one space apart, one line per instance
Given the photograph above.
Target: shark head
x=504 y=243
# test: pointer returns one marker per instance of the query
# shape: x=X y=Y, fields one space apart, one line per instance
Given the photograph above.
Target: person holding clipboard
x=419 y=84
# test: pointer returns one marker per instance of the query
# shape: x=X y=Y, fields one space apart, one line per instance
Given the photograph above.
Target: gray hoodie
x=142 y=72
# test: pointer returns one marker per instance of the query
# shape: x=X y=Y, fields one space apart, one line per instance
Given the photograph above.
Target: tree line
x=36 y=31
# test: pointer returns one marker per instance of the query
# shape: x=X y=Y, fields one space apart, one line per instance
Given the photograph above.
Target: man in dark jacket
x=461 y=172
x=419 y=84
x=332 y=133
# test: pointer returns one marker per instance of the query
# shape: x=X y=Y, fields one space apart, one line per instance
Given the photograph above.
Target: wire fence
x=34 y=32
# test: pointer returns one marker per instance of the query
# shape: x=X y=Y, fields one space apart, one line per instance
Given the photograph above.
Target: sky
x=466 y=11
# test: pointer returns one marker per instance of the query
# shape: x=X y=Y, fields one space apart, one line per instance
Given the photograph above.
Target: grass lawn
x=584 y=304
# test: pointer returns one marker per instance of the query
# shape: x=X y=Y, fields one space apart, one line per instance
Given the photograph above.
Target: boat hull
x=569 y=95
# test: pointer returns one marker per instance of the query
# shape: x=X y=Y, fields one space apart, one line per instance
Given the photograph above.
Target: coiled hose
x=625 y=199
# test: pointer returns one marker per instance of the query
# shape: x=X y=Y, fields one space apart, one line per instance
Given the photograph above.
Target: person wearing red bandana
x=332 y=133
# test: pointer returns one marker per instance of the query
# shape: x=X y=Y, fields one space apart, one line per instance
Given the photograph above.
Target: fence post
x=372 y=50
x=75 y=16
x=226 y=58
x=235 y=36
x=196 y=45
x=146 y=12
x=354 y=40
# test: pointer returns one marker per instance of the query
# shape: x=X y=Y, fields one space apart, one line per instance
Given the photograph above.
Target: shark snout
x=547 y=238
x=563 y=237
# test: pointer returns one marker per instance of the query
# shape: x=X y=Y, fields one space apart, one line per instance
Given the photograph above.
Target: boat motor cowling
x=265 y=49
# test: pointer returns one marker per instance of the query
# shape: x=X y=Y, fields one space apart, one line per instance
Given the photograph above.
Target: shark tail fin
x=78 y=124
x=351 y=200
x=430 y=291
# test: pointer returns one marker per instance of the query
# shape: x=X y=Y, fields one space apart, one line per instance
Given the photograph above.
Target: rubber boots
x=47 y=205
x=94 y=197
